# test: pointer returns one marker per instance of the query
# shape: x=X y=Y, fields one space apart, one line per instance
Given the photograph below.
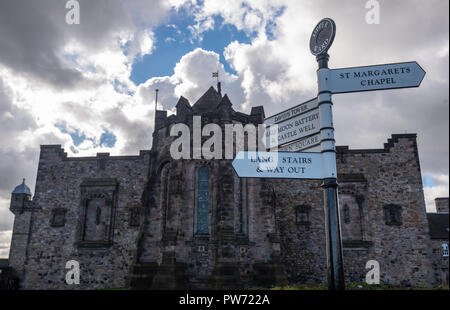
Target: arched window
x=165 y=195
x=203 y=201
x=240 y=201
x=346 y=214
x=352 y=217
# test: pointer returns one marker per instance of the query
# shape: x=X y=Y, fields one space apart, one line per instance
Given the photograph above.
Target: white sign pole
x=321 y=40
x=335 y=264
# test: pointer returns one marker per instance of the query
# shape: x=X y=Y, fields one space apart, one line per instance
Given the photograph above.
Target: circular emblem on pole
x=322 y=36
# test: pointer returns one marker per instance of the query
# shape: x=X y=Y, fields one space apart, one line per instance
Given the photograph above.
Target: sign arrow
x=294 y=111
x=282 y=165
x=308 y=144
x=292 y=129
x=378 y=77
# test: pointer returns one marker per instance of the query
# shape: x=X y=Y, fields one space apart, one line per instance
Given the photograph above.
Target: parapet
x=387 y=146
x=56 y=149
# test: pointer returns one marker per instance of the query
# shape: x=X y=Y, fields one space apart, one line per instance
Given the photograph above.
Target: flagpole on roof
x=219 y=88
x=156 y=105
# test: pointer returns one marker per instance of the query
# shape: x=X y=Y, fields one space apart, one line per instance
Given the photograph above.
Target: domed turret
x=22 y=189
x=20 y=198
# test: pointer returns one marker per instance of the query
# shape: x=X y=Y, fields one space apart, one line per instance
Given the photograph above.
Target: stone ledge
x=351 y=177
x=94 y=244
x=357 y=244
x=100 y=182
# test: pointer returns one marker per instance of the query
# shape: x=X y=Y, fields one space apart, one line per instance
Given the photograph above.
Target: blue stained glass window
x=203 y=201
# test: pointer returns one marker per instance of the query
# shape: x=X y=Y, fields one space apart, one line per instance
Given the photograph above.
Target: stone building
x=5 y=274
x=149 y=221
x=441 y=204
x=439 y=232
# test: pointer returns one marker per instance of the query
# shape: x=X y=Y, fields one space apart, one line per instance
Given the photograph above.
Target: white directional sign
x=398 y=75
x=298 y=109
x=308 y=144
x=295 y=128
x=278 y=165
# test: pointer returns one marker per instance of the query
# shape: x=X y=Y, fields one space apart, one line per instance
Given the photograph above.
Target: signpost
x=295 y=128
x=309 y=126
x=298 y=109
x=284 y=165
x=323 y=36
x=399 y=75
x=309 y=144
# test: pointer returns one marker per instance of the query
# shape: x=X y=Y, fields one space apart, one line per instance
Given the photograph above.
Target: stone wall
x=105 y=262
x=440 y=262
x=256 y=225
x=384 y=183
x=241 y=245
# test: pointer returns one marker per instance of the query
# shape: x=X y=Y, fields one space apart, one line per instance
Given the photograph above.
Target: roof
x=22 y=189
x=209 y=101
x=438 y=223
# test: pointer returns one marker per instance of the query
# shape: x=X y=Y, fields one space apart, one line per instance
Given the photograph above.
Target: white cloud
x=439 y=189
x=5 y=239
x=249 y=16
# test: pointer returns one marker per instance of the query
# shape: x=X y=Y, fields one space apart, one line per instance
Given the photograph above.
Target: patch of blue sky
x=121 y=88
x=427 y=181
x=271 y=25
x=107 y=139
x=75 y=134
x=175 y=39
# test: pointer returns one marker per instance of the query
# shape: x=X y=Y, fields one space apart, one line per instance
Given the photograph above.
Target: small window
x=346 y=214
x=135 y=217
x=58 y=218
x=302 y=214
x=393 y=215
x=445 y=249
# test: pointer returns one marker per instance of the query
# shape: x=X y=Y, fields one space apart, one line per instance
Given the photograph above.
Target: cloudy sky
x=90 y=87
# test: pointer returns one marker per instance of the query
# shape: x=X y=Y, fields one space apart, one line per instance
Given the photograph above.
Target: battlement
x=56 y=149
x=395 y=138
x=210 y=105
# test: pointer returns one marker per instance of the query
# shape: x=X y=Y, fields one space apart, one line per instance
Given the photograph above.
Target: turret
x=20 y=198
x=22 y=207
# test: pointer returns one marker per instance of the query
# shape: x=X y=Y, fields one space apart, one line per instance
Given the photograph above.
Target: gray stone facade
x=149 y=221
x=439 y=232
x=441 y=204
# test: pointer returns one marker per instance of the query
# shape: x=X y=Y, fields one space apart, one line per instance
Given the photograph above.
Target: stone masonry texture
x=133 y=221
